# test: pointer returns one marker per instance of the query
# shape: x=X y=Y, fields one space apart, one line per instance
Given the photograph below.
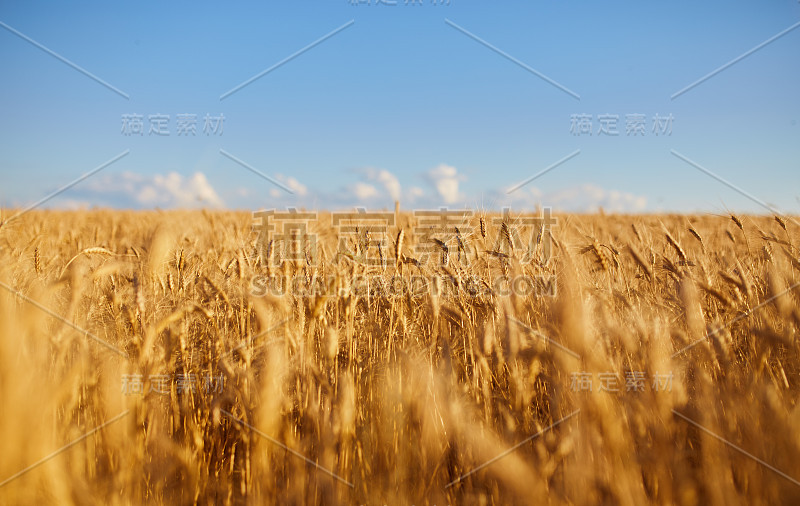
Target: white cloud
x=580 y=198
x=375 y=188
x=391 y=188
x=364 y=191
x=74 y=205
x=173 y=190
x=129 y=189
x=415 y=193
x=372 y=188
x=293 y=184
x=378 y=188
x=445 y=179
x=589 y=197
x=390 y=182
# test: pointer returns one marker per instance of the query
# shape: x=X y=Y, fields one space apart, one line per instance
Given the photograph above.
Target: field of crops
x=185 y=357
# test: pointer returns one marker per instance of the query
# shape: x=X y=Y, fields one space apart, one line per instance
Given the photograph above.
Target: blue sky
x=403 y=104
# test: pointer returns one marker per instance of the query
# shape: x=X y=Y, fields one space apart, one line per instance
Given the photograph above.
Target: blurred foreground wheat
x=143 y=362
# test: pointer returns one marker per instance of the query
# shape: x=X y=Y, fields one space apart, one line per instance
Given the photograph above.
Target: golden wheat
x=178 y=364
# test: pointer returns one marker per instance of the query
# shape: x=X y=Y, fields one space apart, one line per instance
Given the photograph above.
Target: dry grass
x=366 y=396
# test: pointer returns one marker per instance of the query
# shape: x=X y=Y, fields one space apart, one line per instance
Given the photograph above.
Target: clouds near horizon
x=373 y=188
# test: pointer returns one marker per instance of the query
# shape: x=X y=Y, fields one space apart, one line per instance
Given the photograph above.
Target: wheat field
x=176 y=358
